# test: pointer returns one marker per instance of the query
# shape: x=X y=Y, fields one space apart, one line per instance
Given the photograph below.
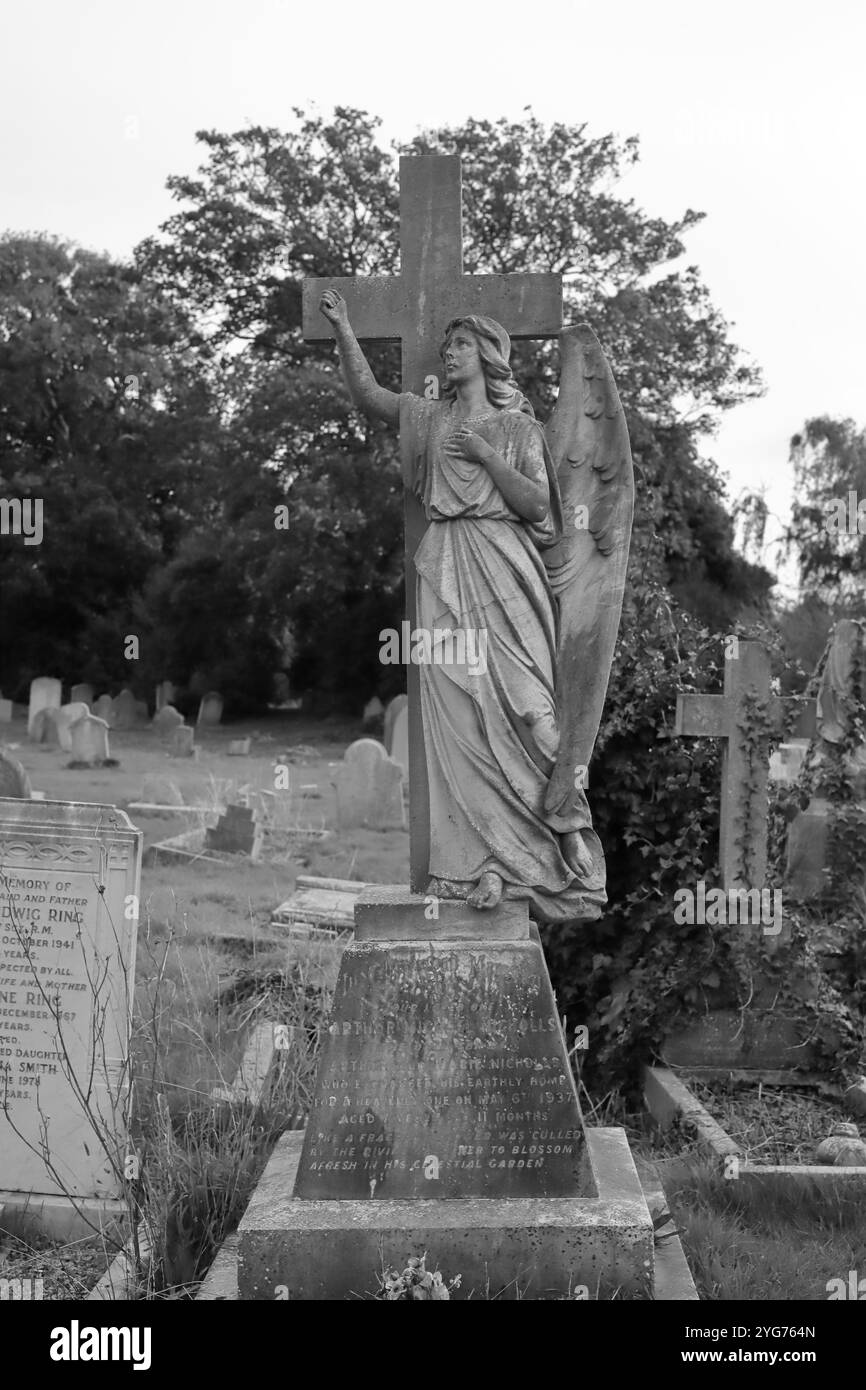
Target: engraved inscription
x=444 y=1074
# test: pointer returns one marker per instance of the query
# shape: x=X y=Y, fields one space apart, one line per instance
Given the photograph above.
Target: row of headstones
x=122 y=711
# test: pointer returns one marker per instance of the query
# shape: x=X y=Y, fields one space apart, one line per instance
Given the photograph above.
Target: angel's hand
x=465 y=443
x=333 y=306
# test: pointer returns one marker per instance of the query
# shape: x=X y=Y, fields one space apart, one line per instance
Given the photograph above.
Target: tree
x=827 y=532
x=108 y=426
x=269 y=207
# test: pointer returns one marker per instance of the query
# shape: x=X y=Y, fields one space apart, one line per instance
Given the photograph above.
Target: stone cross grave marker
x=414 y=307
x=744 y=780
x=69 y=885
x=753 y=1038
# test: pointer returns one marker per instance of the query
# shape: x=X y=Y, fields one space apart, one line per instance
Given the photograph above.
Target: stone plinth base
x=61 y=1219
x=534 y=1248
x=392 y=913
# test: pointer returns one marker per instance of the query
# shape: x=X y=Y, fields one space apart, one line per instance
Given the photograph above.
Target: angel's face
x=462 y=357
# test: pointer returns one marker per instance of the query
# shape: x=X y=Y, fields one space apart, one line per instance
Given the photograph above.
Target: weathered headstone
x=123 y=711
x=392 y=709
x=90 y=741
x=400 y=742
x=43 y=729
x=210 y=711
x=64 y=718
x=82 y=694
x=13 y=778
x=165 y=695
x=5 y=711
x=373 y=712
x=183 y=742
x=69 y=885
x=102 y=708
x=45 y=693
x=166 y=720
x=369 y=789
x=236 y=832
x=239 y=747
x=142 y=713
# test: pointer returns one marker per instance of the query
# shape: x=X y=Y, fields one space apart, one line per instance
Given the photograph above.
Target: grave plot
x=758 y=1133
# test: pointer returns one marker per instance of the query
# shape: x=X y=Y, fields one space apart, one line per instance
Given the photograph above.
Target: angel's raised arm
x=365 y=391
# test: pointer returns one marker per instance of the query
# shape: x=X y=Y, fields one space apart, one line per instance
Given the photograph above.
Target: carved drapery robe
x=491 y=732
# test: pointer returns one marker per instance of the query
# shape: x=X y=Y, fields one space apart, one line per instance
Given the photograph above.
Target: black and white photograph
x=432 y=672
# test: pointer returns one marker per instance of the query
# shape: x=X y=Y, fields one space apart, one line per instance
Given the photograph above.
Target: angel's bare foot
x=576 y=855
x=488 y=893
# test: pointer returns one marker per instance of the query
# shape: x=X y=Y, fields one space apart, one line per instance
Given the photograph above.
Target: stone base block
x=392 y=913
x=61 y=1219
x=533 y=1248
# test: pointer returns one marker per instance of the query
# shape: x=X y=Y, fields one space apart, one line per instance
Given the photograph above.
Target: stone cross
x=744 y=780
x=414 y=308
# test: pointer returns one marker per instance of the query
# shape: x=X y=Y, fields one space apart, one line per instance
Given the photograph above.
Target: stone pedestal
x=445 y=1119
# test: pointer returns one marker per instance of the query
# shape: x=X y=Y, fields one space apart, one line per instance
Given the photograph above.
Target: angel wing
x=588 y=441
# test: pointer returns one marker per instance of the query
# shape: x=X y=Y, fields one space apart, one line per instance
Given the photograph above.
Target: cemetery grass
x=772 y=1244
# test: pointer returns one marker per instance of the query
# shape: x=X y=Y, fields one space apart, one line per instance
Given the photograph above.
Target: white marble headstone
x=45 y=693
x=369 y=788
x=69 y=885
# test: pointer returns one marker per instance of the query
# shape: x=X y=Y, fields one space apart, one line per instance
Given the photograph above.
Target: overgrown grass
x=764 y=1244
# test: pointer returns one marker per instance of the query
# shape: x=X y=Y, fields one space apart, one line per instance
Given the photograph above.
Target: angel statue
x=526 y=550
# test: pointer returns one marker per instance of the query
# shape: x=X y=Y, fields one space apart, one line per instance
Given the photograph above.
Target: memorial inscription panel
x=443 y=1074
x=68 y=920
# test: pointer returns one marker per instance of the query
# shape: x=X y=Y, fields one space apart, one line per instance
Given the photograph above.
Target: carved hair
x=494 y=349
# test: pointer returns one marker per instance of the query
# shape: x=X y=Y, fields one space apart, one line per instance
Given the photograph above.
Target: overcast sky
x=752 y=112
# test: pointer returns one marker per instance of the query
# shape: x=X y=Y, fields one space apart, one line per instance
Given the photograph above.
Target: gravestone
x=123 y=714
x=82 y=694
x=391 y=711
x=45 y=693
x=400 y=742
x=447 y=1061
x=166 y=720
x=183 y=742
x=444 y=1073
x=44 y=727
x=5 y=711
x=369 y=789
x=373 y=712
x=13 y=778
x=68 y=875
x=236 y=832
x=90 y=741
x=757 y=1037
x=102 y=708
x=210 y=711
x=165 y=695
x=64 y=718
x=142 y=713
x=239 y=747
